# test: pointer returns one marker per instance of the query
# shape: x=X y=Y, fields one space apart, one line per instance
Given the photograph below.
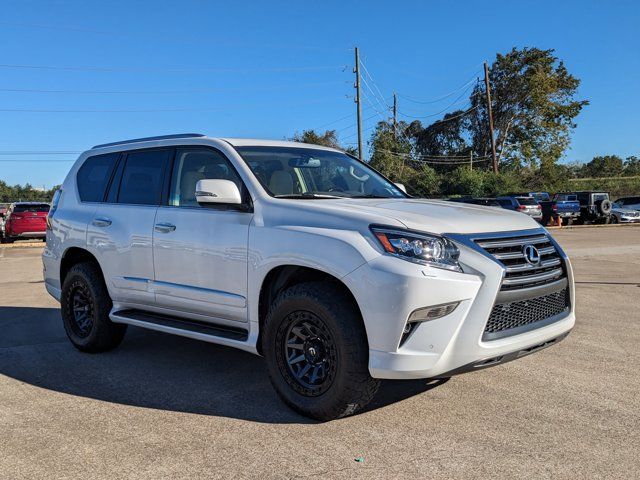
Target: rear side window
x=142 y=177
x=40 y=207
x=94 y=175
x=505 y=202
x=527 y=201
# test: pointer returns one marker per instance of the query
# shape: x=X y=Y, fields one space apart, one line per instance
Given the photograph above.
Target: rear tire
x=85 y=306
x=317 y=352
x=7 y=240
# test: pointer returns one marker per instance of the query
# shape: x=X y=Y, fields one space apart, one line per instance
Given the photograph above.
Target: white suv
x=302 y=254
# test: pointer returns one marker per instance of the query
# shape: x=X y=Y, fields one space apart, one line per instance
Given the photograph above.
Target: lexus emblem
x=531 y=254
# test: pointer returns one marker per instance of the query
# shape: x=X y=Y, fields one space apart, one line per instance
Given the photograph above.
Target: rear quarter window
x=94 y=175
x=141 y=182
x=526 y=201
x=42 y=207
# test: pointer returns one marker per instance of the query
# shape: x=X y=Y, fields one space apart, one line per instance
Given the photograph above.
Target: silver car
x=620 y=214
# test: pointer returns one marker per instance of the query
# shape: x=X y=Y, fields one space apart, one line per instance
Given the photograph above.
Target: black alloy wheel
x=82 y=310
x=308 y=359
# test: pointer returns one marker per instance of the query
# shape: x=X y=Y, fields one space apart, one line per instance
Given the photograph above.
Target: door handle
x=165 y=227
x=101 y=222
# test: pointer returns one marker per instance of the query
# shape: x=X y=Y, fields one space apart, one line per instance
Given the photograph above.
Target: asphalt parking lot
x=167 y=407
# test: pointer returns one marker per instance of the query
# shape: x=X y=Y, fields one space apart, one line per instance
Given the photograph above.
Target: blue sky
x=269 y=69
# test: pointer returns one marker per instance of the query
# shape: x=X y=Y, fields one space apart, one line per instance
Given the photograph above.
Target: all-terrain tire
x=85 y=307
x=331 y=312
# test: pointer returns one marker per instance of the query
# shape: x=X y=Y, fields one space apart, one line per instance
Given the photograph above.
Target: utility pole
x=356 y=70
x=490 y=111
x=395 y=117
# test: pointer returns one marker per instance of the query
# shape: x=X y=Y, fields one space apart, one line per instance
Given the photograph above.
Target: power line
x=149 y=110
x=170 y=69
x=441 y=111
x=41 y=152
x=22 y=160
x=160 y=92
x=436 y=100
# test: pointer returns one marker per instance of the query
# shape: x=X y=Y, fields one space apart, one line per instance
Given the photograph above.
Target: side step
x=180 y=326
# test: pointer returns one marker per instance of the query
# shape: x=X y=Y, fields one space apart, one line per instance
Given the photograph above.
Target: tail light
x=522 y=208
x=538 y=207
x=554 y=207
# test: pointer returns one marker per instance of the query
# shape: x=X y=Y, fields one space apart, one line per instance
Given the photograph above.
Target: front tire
x=317 y=352
x=85 y=306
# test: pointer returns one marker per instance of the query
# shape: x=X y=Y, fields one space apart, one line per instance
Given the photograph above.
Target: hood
x=438 y=216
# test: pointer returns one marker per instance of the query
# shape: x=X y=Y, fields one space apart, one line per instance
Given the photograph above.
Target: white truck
x=304 y=255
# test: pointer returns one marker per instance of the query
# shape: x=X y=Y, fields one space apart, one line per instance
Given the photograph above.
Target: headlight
x=421 y=248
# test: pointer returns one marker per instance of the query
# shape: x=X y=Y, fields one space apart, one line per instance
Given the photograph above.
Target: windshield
x=298 y=172
x=526 y=201
x=541 y=196
x=31 y=208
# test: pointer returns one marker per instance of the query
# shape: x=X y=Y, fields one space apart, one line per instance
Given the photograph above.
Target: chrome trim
x=510 y=256
x=552 y=262
x=533 y=278
x=514 y=243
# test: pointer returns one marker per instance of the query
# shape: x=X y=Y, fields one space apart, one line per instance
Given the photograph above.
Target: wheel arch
x=74 y=255
x=282 y=277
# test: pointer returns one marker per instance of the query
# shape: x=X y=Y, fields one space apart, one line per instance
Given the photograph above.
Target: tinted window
x=41 y=207
x=94 y=175
x=541 y=196
x=192 y=165
x=504 y=203
x=526 y=201
x=141 y=182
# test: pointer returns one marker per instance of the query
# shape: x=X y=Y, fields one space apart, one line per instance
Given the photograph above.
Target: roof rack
x=149 y=139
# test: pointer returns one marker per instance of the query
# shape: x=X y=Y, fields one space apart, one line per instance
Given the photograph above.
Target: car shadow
x=154 y=370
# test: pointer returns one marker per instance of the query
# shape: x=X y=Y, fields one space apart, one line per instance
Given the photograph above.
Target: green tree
x=534 y=108
x=327 y=139
x=604 y=166
x=631 y=166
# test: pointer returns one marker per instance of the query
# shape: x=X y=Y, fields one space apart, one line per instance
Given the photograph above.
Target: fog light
x=431 y=313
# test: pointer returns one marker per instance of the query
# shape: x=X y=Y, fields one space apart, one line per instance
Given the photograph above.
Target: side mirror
x=220 y=192
x=401 y=187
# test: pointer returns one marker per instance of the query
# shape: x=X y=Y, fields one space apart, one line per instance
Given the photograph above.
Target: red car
x=25 y=220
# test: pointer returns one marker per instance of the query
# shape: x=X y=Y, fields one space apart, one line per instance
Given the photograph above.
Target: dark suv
x=595 y=207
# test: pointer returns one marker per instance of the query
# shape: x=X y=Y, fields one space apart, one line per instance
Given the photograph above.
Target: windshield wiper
x=306 y=196
x=370 y=195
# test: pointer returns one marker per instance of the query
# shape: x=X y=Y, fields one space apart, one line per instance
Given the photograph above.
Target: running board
x=181 y=326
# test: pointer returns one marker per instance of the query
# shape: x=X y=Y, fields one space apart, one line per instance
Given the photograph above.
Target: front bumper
x=388 y=290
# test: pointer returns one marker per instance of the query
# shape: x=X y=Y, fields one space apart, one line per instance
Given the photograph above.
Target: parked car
x=3 y=212
x=302 y=254
x=521 y=203
x=566 y=206
x=595 y=206
x=487 y=202
x=629 y=202
x=25 y=220
x=620 y=214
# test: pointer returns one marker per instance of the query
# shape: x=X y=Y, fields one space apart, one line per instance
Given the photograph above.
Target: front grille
x=508 y=316
x=509 y=252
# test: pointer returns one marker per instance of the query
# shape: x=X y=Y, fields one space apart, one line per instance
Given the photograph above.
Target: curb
x=23 y=245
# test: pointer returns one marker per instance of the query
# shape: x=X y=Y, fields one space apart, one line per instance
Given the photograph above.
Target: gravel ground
x=167 y=407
